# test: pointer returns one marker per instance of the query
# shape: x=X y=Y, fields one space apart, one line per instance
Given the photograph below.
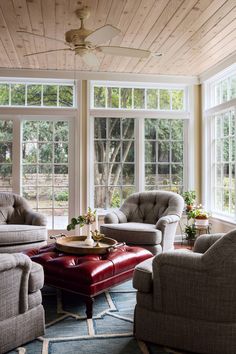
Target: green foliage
x=189 y=197
x=62 y=196
x=115 y=200
x=198 y=213
x=190 y=232
x=81 y=220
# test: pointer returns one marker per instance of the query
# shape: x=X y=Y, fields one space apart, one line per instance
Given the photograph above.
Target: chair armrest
x=21 y=263
x=116 y=217
x=142 y=279
x=167 y=225
x=34 y=218
x=180 y=259
x=204 y=242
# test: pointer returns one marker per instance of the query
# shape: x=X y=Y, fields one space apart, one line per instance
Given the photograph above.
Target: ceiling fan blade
x=103 y=34
x=48 y=51
x=91 y=59
x=124 y=51
x=39 y=35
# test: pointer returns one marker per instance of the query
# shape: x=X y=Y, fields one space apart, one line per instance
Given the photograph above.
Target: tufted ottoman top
x=88 y=274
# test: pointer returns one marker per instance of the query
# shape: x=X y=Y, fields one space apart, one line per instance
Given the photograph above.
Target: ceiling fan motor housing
x=77 y=36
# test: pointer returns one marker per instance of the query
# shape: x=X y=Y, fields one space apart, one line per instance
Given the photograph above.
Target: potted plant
x=190 y=232
x=189 y=198
x=200 y=216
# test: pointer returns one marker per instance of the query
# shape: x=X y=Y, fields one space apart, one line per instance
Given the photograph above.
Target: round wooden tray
x=76 y=244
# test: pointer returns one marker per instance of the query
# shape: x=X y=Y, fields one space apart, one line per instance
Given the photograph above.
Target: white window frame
x=17 y=138
x=187 y=115
x=208 y=112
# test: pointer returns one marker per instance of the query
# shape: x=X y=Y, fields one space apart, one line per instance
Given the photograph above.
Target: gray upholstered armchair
x=187 y=300
x=21 y=311
x=20 y=227
x=147 y=219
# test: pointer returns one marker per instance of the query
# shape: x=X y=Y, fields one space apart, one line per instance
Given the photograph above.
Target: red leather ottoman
x=88 y=275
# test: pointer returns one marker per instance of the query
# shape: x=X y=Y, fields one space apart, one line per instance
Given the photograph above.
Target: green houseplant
x=190 y=232
x=189 y=198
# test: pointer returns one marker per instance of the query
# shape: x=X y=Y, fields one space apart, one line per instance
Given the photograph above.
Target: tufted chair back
x=149 y=207
x=13 y=208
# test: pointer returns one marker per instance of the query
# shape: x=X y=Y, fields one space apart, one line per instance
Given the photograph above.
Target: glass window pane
x=45 y=152
x=150 y=128
x=30 y=131
x=6 y=177
x=61 y=131
x=61 y=197
x=45 y=175
x=100 y=128
x=177 y=129
x=115 y=197
x=61 y=175
x=45 y=131
x=60 y=218
x=30 y=193
x=150 y=151
x=114 y=151
x=177 y=174
x=114 y=128
x=224 y=90
x=61 y=153
x=29 y=152
x=128 y=126
x=5 y=152
x=17 y=94
x=164 y=174
x=177 y=151
x=128 y=174
x=100 y=197
x=99 y=97
x=164 y=129
x=100 y=152
x=113 y=97
x=128 y=151
x=126 y=98
x=164 y=99
x=233 y=87
x=100 y=174
x=4 y=94
x=50 y=95
x=114 y=174
x=163 y=152
x=45 y=197
x=126 y=192
x=66 y=96
x=177 y=99
x=34 y=93
x=150 y=174
x=6 y=130
x=152 y=98
x=29 y=175
x=139 y=98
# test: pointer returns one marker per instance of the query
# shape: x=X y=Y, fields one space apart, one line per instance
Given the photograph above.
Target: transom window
x=36 y=94
x=138 y=98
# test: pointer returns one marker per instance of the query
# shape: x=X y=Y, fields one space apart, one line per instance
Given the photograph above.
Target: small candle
x=96 y=221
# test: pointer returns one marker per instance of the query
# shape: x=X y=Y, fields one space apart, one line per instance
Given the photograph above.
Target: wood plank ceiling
x=192 y=35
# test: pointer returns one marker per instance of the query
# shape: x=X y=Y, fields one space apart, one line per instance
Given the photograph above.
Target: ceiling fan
x=85 y=43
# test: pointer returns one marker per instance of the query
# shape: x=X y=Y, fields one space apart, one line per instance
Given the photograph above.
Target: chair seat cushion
x=11 y=234
x=133 y=232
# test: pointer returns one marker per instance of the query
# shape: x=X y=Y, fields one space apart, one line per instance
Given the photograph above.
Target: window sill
x=223 y=218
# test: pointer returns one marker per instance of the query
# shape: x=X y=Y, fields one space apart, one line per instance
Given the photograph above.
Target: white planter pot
x=201 y=222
